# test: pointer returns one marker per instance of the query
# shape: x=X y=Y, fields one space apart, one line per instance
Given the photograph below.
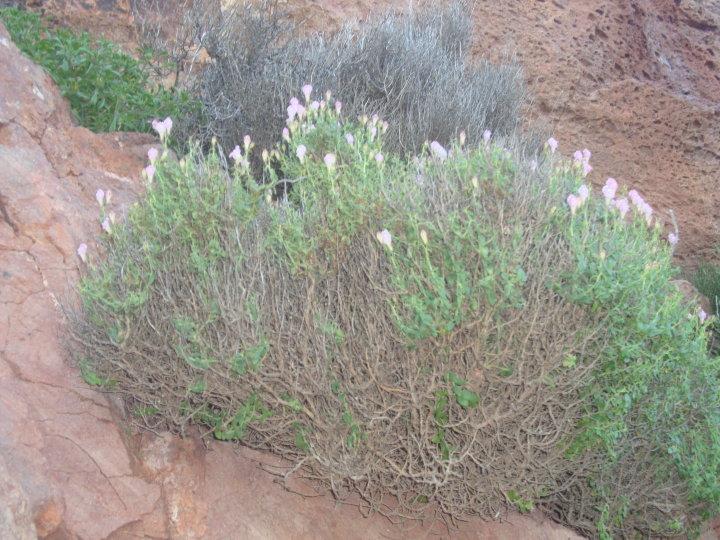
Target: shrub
x=412 y=69
x=106 y=88
x=443 y=330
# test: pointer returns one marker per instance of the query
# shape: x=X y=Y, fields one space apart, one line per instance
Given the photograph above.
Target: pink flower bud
x=438 y=151
x=300 y=152
x=610 y=189
x=552 y=144
x=307 y=91
x=82 y=252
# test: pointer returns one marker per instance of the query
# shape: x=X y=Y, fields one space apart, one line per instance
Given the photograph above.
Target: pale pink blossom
x=375 y=119
x=623 y=206
x=286 y=134
x=610 y=189
x=149 y=172
x=438 y=151
x=587 y=168
x=673 y=239
x=152 y=155
x=246 y=142
x=338 y=107
x=384 y=125
x=315 y=105
x=379 y=157
x=373 y=132
x=586 y=154
x=574 y=203
x=583 y=192
x=108 y=196
x=236 y=154
x=82 y=252
x=702 y=316
x=163 y=127
x=349 y=138
x=578 y=156
x=552 y=144
x=300 y=152
x=307 y=91
x=487 y=134
x=100 y=197
x=636 y=198
x=106 y=225
x=646 y=211
x=329 y=160
x=385 y=238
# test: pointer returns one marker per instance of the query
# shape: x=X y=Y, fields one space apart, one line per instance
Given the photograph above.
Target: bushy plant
x=107 y=89
x=447 y=330
x=411 y=68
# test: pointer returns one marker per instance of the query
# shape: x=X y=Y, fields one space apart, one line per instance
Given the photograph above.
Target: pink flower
x=329 y=160
x=106 y=225
x=152 y=154
x=623 y=206
x=574 y=203
x=578 y=156
x=486 y=135
x=702 y=316
x=609 y=189
x=82 y=252
x=246 y=142
x=295 y=109
x=438 y=151
x=236 y=154
x=586 y=154
x=385 y=238
x=349 y=138
x=149 y=172
x=584 y=193
x=373 y=132
x=300 y=152
x=162 y=127
x=647 y=211
x=379 y=157
x=100 y=197
x=338 y=107
x=636 y=198
x=286 y=134
x=552 y=144
x=315 y=105
x=375 y=119
x=673 y=239
x=307 y=91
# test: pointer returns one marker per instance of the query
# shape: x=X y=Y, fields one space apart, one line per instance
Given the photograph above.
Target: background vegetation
x=107 y=89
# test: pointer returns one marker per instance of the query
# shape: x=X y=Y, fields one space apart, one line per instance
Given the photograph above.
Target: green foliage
x=107 y=88
x=707 y=280
x=402 y=320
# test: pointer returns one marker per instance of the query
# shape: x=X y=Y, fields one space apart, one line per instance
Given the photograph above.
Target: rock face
x=70 y=468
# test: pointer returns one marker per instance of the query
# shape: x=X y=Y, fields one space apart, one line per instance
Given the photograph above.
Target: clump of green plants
x=464 y=331
x=107 y=89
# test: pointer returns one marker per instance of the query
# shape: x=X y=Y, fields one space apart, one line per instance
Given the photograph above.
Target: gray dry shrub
x=412 y=69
